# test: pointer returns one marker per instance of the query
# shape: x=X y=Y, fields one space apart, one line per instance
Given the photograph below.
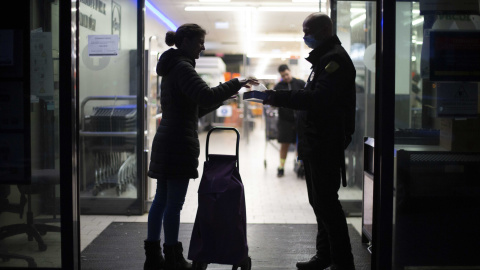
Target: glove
x=269 y=99
x=347 y=141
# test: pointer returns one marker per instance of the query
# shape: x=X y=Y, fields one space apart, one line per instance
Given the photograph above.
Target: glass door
x=111 y=119
x=355 y=25
x=437 y=131
x=38 y=203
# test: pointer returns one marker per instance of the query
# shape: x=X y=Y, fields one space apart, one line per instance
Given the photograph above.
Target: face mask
x=311 y=42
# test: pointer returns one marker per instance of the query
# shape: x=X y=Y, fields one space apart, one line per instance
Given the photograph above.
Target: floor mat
x=271 y=246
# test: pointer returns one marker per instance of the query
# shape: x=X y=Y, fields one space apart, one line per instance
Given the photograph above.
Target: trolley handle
x=224 y=128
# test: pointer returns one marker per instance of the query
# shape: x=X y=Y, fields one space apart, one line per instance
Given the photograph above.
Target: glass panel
x=356 y=30
x=108 y=88
x=154 y=112
x=30 y=212
x=437 y=131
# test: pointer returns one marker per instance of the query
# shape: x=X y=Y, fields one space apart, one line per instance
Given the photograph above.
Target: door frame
x=382 y=242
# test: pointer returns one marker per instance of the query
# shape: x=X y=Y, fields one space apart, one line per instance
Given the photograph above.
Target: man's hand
x=269 y=99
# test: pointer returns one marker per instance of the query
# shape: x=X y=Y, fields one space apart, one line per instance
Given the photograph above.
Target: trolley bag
x=220 y=230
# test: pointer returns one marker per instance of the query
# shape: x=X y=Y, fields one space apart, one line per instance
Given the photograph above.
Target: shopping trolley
x=220 y=230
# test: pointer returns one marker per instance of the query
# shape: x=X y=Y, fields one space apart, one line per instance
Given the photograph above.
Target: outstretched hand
x=268 y=100
x=247 y=83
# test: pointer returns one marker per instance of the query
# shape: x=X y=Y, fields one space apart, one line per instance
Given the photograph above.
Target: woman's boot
x=174 y=259
x=199 y=265
x=154 y=259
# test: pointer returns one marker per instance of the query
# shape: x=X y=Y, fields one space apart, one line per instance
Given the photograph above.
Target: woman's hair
x=188 y=30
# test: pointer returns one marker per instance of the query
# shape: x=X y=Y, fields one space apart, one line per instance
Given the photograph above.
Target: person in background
x=185 y=97
x=329 y=101
x=286 y=125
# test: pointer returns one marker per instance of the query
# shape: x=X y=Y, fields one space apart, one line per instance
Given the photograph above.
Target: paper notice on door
x=103 y=45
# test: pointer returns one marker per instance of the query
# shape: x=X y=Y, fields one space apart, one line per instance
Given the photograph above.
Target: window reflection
x=437 y=126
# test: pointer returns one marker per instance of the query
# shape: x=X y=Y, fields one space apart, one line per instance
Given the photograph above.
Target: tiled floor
x=269 y=199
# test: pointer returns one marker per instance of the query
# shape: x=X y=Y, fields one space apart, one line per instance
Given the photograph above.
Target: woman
x=174 y=158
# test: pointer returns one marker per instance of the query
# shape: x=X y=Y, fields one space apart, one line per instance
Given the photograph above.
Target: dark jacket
x=328 y=99
x=185 y=97
x=285 y=114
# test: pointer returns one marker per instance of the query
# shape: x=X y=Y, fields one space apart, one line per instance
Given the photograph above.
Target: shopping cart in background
x=270 y=115
x=108 y=145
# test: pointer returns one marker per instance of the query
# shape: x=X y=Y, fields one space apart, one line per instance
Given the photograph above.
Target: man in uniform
x=329 y=102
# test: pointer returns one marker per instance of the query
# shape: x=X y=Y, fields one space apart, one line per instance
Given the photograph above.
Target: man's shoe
x=280 y=172
x=336 y=267
x=314 y=263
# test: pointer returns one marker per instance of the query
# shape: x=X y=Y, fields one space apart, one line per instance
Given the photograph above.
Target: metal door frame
x=384 y=131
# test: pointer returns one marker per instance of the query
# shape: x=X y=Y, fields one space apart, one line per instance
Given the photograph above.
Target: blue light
x=162 y=17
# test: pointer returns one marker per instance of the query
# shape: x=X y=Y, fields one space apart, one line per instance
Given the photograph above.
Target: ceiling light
x=279 y=38
x=264 y=8
x=358 y=10
x=213 y=1
x=358 y=20
x=288 y=9
x=268 y=55
x=160 y=15
x=221 y=25
x=216 y=8
x=417 y=21
x=305 y=1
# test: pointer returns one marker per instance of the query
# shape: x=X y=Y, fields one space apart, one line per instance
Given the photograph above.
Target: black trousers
x=323 y=181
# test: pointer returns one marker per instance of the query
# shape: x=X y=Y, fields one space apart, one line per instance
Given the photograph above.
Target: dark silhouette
x=329 y=101
x=185 y=97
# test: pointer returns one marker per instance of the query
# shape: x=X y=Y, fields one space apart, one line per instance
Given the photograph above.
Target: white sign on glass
x=103 y=45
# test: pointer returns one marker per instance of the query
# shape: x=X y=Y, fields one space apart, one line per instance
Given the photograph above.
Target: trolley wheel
x=245 y=264
x=95 y=191
x=119 y=190
x=31 y=263
x=42 y=247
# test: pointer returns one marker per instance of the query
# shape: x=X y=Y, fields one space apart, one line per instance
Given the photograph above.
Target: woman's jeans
x=166 y=207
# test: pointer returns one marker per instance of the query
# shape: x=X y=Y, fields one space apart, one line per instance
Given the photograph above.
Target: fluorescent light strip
x=162 y=17
x=213 y=1
x=268 y=55
x=278 y=39
x=244 y=8
x=215 y=8
x=358 y=20
x=288 y=9
x=358 y=10
x=417 y=21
